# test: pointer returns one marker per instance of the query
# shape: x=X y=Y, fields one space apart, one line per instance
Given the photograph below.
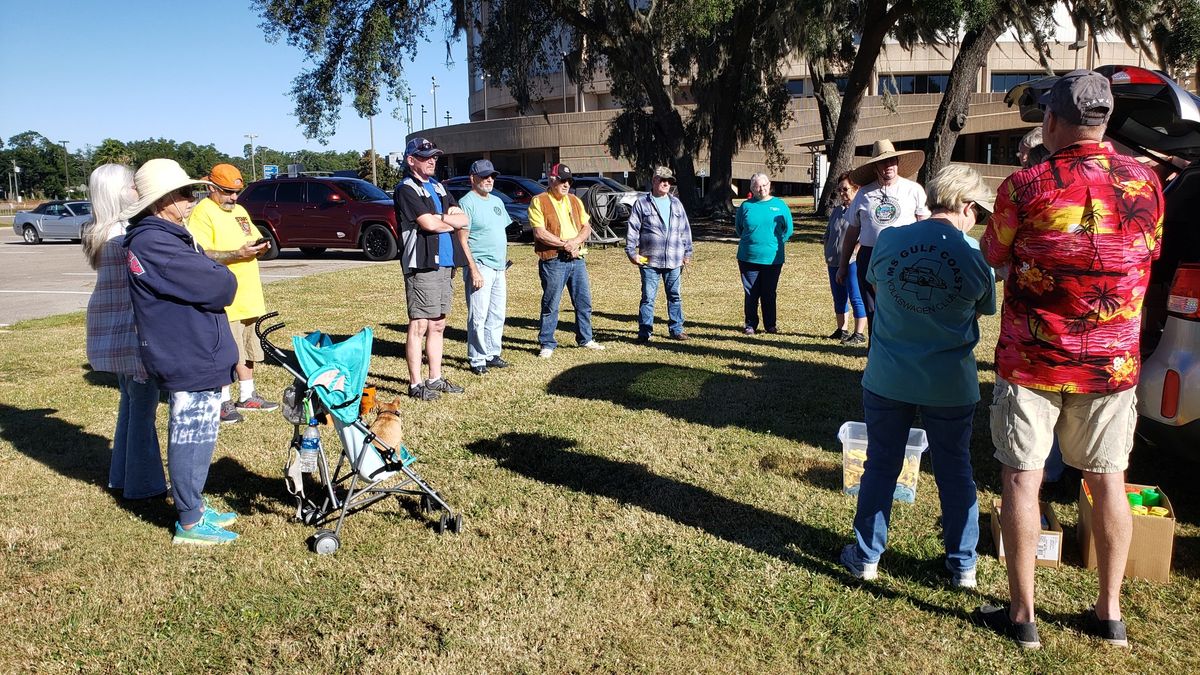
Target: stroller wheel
x=426 y=504
x=456 y=524
x=324 y=542
x=443 y=523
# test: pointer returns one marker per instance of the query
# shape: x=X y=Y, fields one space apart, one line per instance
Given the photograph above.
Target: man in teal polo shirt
x=486 y=246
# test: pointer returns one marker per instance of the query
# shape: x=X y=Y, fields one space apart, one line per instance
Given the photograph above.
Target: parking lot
x=53 y=278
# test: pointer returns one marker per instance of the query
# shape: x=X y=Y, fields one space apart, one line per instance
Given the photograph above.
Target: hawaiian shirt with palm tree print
x=1078 y=233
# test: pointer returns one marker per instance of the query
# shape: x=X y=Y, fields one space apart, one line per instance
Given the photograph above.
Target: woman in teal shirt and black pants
x=763 y=225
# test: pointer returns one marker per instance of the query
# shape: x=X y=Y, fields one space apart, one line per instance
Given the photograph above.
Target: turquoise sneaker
x=218 y=518
x=203 y=534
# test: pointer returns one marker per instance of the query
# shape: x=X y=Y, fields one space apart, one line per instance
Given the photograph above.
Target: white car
x=53 y=220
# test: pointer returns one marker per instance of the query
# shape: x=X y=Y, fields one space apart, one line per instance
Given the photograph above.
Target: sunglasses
x=225 y=191
x=659 y=179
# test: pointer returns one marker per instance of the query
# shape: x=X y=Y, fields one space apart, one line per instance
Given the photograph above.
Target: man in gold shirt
x=223 y=229
x=560 y=228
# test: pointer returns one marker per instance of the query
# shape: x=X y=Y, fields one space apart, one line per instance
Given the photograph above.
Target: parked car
x=604 y=196
x=53 y=220
x=518 y=229
x=318 y=213
x=521 y=189
x=1156 y=118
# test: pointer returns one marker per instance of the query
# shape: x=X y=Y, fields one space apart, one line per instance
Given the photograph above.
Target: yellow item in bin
x=1139 y=510
x=1158 y=512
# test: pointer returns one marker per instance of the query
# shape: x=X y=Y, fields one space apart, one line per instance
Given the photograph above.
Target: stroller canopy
x=336 y=370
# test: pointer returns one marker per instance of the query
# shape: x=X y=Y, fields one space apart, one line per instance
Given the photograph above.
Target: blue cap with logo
x=483 y=168
x=423 y=148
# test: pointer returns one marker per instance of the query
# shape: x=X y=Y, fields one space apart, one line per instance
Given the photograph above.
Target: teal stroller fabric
x=337 y=371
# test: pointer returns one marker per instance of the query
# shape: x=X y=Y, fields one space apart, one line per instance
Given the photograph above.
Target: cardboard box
x=853 y=436
x=1150 y=547
x=1049 y=546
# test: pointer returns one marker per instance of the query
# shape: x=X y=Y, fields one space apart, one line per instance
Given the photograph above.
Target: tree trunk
x=952 y=113
x=829 y=107
x=877 y=21
x=722 y=141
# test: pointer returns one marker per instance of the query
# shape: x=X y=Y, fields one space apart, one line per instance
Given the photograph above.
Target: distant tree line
x=45 y=166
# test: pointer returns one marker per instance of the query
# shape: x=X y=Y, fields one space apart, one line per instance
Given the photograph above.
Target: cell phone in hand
x=262 y=241
x=507 y=264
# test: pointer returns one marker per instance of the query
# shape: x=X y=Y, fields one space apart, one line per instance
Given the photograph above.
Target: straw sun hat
x=156 y=179
x=910 y=162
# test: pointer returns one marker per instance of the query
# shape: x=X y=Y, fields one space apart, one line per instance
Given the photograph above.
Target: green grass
x=671 y=507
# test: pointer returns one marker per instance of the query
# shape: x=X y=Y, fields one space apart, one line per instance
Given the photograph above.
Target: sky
x=84 y=71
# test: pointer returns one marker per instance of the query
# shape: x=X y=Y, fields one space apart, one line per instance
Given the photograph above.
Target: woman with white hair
x=932 y=284
x=112 y=343
x=763 y=225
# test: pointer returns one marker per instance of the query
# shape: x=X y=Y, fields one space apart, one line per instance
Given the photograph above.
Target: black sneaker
x=997 y=620
x=443 y=385
x=496 y=362
x=479 y=370
x=422 y=393
x=855 y=339
x=839 y=334
x=1112 y=632
x=229 y=414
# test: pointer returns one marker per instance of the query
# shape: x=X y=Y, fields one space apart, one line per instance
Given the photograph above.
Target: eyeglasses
x=843 y=189
x=660 y=179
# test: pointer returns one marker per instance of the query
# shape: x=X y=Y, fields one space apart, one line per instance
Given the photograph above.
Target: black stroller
x=329 y=381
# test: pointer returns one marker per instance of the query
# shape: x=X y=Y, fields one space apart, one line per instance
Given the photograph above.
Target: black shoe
x=1112 y=632
x=855 y=339
x=839 y=334
x=682 y=337
x=443 y=385
x=422 y=393
x=479 y=370
x=642 y=339
x=496 y=362
x=772 y=329
x=997 y=620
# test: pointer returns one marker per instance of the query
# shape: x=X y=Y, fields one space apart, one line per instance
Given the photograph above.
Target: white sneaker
x=593 y=345
x=546 y=352
x=857 y=569
x=963 y=579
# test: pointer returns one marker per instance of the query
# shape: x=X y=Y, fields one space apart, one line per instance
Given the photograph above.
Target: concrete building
x=569 y=123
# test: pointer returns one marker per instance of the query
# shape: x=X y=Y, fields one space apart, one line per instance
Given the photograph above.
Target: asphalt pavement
x=53 y=278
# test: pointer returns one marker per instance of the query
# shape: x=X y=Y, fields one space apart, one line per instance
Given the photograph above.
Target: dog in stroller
x=329 y=381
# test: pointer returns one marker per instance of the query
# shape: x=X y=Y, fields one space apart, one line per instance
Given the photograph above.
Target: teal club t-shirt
x=930 y=282
x=488 y=242
x=763 y=227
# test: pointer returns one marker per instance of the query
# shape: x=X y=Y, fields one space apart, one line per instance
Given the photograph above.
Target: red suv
x=314 y=214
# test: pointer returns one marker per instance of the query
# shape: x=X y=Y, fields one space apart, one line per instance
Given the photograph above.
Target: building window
x=796 y=88
x=913 y=84
x=1002 y=82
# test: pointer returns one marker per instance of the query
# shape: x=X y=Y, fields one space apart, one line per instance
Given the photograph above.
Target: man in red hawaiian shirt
x=1078 y=233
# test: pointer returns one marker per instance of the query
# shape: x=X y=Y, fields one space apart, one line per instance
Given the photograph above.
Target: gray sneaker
x=422 y=393
x=997 y=620
x=229 y=413
x=963 y=579
x=443 y=385
x=857 y=569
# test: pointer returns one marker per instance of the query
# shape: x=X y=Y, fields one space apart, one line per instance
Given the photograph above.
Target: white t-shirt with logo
x=876 y=208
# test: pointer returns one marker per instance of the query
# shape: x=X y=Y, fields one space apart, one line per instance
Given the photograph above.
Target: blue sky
x=84 y=71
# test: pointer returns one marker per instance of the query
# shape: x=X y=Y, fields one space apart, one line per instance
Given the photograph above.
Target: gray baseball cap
x=483 y=167
x=1080 y=97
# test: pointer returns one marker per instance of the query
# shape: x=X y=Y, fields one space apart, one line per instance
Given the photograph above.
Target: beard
x=487 y=189
x=227 y=206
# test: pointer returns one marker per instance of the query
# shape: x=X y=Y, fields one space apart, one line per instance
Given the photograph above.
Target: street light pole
x=408 y=108
x=564 y=73
x=485 y=108
x=447 y=118
x=66 y=171
x=371 y=123
x=434 y=92
x=423 y=117
x=253 y=170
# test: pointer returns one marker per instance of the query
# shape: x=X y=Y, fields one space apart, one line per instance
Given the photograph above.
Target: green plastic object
x=1151 y=497
x=1135 y=498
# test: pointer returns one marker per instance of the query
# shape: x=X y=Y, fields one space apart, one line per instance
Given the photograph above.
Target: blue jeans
x=485 y=314
x=192 y=437
x=847 y=292
x=949 y=432
x=650 y=278
x=136 y=468
x=759 y=282
x=571 y=274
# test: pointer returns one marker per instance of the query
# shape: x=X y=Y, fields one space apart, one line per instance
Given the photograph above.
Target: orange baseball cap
x=227 y=176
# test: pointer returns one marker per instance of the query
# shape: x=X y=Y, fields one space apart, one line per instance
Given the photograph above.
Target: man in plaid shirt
x=659 y=243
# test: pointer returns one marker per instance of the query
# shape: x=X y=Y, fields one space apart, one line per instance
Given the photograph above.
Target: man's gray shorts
x=429 y=292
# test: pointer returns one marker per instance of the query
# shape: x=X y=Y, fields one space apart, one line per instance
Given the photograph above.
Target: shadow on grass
x=553 y=461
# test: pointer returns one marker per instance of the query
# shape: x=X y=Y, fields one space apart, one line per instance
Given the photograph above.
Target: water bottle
x=310 y=447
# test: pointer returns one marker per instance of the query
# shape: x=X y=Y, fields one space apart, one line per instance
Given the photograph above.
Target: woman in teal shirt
x=763 y=225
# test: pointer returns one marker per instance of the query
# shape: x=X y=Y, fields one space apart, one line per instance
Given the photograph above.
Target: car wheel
x=312 y=251
x=378 y=243
x=272 y=252
x=30 y=235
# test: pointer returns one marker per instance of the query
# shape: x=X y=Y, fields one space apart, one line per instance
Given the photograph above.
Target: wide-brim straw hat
x=156 y=179
x=910 y=162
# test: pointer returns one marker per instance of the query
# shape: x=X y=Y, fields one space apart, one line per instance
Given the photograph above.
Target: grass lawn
x=670 y=507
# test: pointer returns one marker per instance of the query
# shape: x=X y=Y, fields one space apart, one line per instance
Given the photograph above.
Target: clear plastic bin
x=853 y=436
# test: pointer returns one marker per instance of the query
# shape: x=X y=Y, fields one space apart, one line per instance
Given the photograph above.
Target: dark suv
x=318 y=213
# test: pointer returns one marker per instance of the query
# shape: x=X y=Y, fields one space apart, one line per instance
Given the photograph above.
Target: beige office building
x=569 y=123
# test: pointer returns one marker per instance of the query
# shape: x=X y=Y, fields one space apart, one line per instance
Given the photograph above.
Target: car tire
x=30 y=234
x=378 y=244
x=272 y=252
x=312 y=251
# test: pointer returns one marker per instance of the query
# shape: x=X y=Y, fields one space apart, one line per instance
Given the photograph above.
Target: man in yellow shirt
x=560 y=228
x=223 y=229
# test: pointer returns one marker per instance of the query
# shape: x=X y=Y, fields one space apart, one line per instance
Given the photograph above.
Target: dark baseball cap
x=1081 y=97
x=484 y=168
x=562 y=173
x=420 y=147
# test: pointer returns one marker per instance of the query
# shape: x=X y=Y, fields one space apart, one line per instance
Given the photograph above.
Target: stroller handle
x=258 y=329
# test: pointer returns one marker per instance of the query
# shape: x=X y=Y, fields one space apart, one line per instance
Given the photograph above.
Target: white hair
x=110 y=189
x=759 y=175
x=954 y=186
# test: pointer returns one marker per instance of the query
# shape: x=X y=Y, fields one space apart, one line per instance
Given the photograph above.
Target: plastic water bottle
x=310 y=447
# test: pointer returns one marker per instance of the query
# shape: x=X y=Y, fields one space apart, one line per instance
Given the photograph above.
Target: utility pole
x=66 y=171
x=434 y=92
x=423 y=117
x=374 y=177
x=485 y=86
x=447 y=118
x=408 y=106
x=564 y=73
x=253 y=170
x=17 y=180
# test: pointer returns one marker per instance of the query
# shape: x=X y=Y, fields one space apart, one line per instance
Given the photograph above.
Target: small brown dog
x=388 y=427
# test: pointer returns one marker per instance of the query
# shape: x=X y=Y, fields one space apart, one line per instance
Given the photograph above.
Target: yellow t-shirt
x=216 y=229
x=563 y=208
